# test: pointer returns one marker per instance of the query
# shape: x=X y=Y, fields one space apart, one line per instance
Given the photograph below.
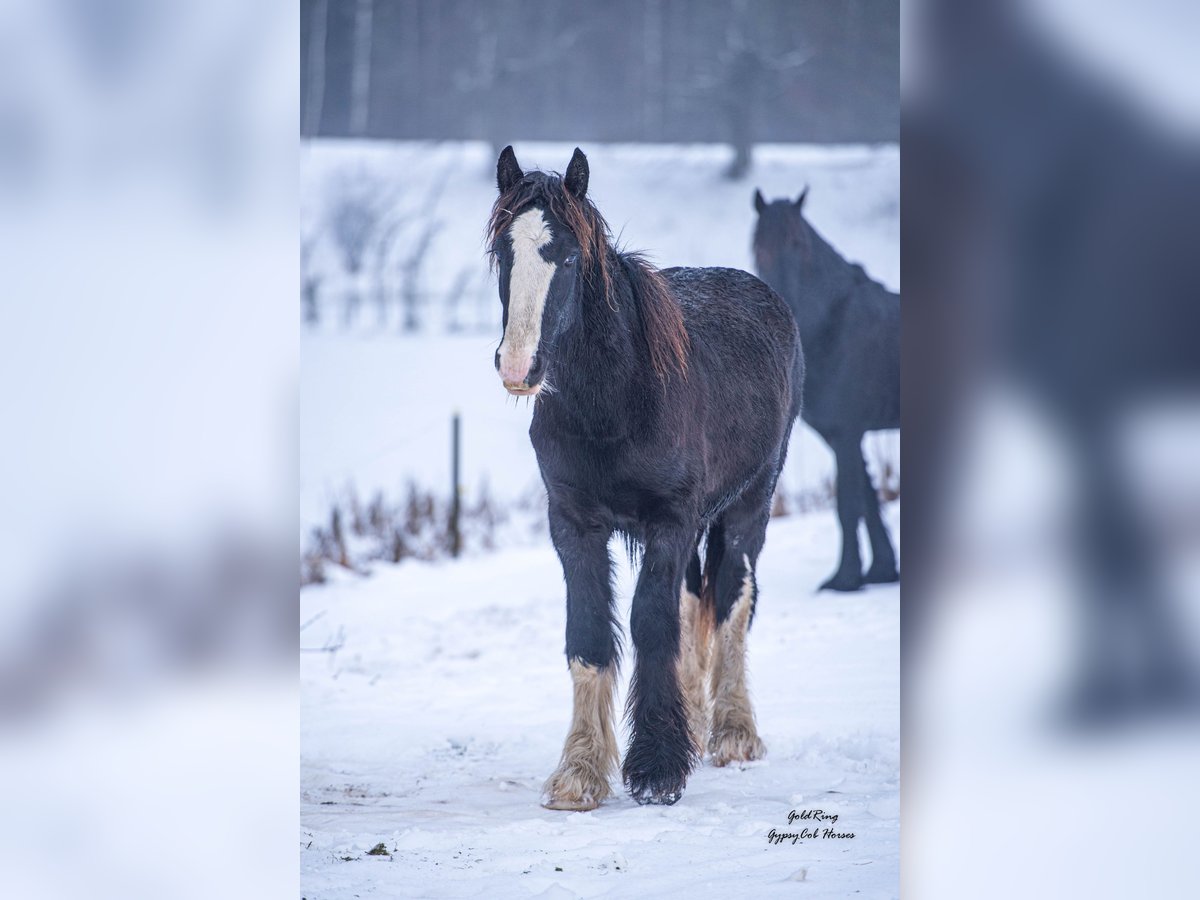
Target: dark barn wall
x=620 y=70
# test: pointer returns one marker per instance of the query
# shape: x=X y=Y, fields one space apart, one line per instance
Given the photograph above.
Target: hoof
x=571 y=804
x=882 y=575
x=736 y=746
x=657 y=798
x=656 y=790
x=845 y=582
x=575 y=791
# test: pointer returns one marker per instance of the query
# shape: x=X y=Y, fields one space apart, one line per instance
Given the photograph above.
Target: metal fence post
x=456 y=487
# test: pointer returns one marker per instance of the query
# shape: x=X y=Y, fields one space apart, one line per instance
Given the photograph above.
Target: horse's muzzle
x=522 y=389
x=523 y=379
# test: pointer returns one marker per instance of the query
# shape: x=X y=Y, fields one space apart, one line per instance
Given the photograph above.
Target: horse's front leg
x=589 y=755
x=661 y=750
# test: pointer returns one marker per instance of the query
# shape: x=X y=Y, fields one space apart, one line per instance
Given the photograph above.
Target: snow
x=439 y=709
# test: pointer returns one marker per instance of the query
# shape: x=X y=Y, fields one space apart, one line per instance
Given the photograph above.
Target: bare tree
x=498 y=68
x=356 y=202
x=387 y=238
x=454 y=298
x=315 y=98
x=412 y=254
x=310 y=280
x=360 y=77
x=742 y=72
x=410 y=273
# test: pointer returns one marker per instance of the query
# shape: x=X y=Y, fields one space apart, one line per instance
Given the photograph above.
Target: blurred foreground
x=1052 y=397
x=148 y=349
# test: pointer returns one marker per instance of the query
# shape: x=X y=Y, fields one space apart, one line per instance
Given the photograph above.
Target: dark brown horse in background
x=850 y=327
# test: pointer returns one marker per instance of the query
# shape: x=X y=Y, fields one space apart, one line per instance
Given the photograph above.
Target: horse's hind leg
x=589 y=755
x=848 y=450
x=883 y=555
x=732 y=586
x=695 y=646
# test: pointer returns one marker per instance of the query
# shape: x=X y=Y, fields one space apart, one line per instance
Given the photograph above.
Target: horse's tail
x=714 y=549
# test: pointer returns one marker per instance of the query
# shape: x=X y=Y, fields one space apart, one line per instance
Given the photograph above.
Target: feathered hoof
x=656 y=795
x=843 y=581
x=575 y=791
x=661 y=784
x=735 y=745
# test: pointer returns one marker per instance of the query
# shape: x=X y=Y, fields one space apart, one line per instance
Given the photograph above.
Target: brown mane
x=662 y=320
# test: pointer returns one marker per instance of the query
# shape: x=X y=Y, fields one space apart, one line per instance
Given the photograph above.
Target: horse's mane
x=662 y=320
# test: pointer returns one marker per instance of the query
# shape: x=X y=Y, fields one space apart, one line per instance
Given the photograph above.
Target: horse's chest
x=608 y=474
x=599 y=464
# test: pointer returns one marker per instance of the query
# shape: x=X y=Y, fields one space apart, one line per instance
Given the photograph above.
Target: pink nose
x=515 y=371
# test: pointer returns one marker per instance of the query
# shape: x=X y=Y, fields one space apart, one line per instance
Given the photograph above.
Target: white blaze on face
x=528 y=284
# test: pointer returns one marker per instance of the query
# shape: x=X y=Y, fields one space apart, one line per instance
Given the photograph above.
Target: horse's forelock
x=579 y=215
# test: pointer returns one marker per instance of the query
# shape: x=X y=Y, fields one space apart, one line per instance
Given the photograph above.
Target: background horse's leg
x=848 y=450
x=1133 y=656
x=589 y=755
x=883 y=555
x=731 y=584
x=661 y=753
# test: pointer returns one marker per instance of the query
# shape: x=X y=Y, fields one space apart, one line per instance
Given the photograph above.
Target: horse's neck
x=597 y=369
x=826 y=281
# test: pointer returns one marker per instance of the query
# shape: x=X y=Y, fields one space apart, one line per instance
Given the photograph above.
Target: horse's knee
x=734 y=580
x=591 y=636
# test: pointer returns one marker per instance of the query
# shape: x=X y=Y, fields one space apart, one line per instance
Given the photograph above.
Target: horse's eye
x=570 y=260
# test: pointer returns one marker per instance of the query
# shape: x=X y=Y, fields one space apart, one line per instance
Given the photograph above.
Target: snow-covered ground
x=432 y=725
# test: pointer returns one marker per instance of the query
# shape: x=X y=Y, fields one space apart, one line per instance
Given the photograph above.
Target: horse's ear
x=803 y=196
x=576 y=179
x=759 y=203
x=508 y=172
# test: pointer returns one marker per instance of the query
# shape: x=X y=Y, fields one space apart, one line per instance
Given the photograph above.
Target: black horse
x=664 y=403
x=850 y=325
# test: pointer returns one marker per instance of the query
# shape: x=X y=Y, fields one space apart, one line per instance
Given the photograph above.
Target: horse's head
x=781 y=232
x=542 y=236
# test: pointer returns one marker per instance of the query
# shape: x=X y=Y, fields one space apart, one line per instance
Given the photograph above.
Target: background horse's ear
x=508 y=172
x=759 y=203
x=576 y=179
x=800 y=200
